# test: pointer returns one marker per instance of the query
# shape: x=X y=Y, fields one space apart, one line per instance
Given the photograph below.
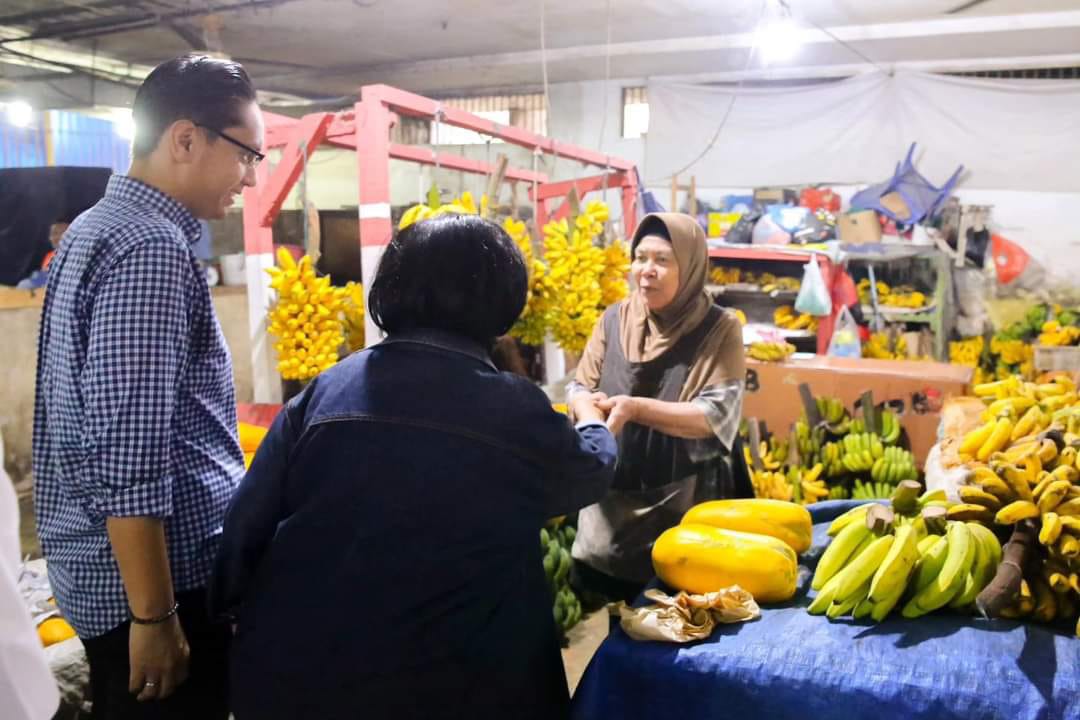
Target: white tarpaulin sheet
x=1009 y=134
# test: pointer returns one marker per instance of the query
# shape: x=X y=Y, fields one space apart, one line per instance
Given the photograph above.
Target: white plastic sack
x=767 y=232
x=938 y=477
x=845 y=338
x=813 y=296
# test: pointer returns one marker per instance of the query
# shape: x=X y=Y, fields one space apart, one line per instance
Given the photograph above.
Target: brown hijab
x=646 y=335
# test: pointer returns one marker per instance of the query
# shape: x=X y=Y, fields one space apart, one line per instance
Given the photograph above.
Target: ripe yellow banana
x=972 y=495
x=970 y=511
x=1051 y=528
x=862 y=568
x=1014 y=512
x=953 y=576
x=997 y=439
x=1052 y=496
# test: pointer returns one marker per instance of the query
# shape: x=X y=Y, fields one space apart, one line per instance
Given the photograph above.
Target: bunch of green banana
x=839 y=492
x=834 y=414
x=556 y=543
x=808 y=440
x=866 y=575
x=831 y=457
x=890 y=427
x=894 y=466
x=860 y=452
x=870 y=490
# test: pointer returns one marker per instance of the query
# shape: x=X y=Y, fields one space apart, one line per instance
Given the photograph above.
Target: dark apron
x=656 y=481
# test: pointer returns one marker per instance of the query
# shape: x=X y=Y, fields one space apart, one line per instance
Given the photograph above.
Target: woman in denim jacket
x=381 y=557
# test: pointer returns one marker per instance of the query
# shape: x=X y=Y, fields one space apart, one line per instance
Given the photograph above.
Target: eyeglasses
x=250 y=157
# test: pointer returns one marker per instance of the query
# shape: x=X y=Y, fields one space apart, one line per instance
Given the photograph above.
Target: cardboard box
x=916 y=391
x=859 y=228
x=775 y=196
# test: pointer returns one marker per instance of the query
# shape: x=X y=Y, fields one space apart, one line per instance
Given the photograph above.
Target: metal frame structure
x=366 y=130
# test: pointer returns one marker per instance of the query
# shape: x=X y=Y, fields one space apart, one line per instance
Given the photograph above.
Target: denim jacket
x=382 y=555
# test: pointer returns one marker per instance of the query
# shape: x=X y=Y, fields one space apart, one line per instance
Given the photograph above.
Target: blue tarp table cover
x=792 y=665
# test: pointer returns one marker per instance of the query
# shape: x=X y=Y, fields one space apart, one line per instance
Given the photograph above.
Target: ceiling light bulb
x=19 y=113
x=778 y=40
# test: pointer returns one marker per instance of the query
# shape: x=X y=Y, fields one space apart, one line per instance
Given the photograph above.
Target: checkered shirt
x=135 y=412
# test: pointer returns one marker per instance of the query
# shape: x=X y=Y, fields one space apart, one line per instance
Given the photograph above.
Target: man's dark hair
x=205 y=90
x=457 y=273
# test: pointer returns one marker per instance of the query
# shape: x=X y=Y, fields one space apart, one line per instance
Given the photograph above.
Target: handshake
x=613 y=411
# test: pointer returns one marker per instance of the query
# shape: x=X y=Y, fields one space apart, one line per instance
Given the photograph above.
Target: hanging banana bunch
x=585 y=278
x=353 y=313
x=305 y=317
x=531 y=326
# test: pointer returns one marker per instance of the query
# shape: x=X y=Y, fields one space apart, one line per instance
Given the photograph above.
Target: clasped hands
x=614 y=411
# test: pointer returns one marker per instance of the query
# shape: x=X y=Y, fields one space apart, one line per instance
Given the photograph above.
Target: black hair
x=651 y=225
x=457 y=273
x=208 y=91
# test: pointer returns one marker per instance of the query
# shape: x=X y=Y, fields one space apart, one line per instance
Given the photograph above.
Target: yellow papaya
x=250 y=436
x=703 y=558
x=782 y=520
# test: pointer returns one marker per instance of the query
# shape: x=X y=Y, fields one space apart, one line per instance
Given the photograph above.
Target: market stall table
x=792 y=665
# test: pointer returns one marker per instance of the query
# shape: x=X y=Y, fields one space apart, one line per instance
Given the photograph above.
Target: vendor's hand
x=159 y=659
x=620 y=410
x=585 y=406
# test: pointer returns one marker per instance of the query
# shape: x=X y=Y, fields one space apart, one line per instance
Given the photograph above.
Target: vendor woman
x=667 y=367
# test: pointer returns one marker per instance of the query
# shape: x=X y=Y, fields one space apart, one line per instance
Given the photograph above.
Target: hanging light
x=778 y=36
x=19 y=113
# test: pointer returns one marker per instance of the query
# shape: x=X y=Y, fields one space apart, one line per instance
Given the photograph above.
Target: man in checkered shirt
x=135 y=447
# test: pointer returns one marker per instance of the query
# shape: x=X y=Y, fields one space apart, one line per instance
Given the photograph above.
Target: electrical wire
x=843 y=43
x=727 y=113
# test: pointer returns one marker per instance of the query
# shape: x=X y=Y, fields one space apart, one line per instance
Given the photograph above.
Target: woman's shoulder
x=726 y=322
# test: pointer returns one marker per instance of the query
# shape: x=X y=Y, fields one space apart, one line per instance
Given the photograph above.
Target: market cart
x=792 y=665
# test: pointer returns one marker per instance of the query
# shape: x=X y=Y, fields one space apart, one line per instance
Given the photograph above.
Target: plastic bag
x=684 y=617
x=741 y=232
x=813 y=296
x=767 y=232
x=845 y=337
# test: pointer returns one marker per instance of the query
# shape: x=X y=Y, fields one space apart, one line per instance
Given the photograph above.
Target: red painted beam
x=408 y=103
x=426 y=156
x=583 y=185
x=310 y=132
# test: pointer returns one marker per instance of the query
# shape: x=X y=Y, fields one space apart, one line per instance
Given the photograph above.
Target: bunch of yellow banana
x=781 y=284
x=582 y=276
x=863 y=289
x=872 y=565
x=1026 y=470
x=305 y=317
x=721 y=275
x=353 y=311
x=879 y=347
x=1011 y=352
x=771 y=484
x=464 y=205
x=531 y=326
x=769 y=460
x=785 y=317
x=1053 y=333
x=966 y=352
x=807 y=484
x=770 y=351
x=911 y=299
x=740 y=315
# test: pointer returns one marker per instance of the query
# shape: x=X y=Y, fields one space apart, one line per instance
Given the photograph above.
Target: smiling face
x=655 y=272
x=220 y=170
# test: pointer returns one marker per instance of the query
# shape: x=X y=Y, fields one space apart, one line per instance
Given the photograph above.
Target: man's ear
x=182 y=140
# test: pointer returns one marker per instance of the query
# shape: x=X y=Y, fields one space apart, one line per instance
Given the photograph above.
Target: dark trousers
x=203 y=696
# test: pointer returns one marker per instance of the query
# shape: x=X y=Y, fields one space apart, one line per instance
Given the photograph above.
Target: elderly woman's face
x=655 y=272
